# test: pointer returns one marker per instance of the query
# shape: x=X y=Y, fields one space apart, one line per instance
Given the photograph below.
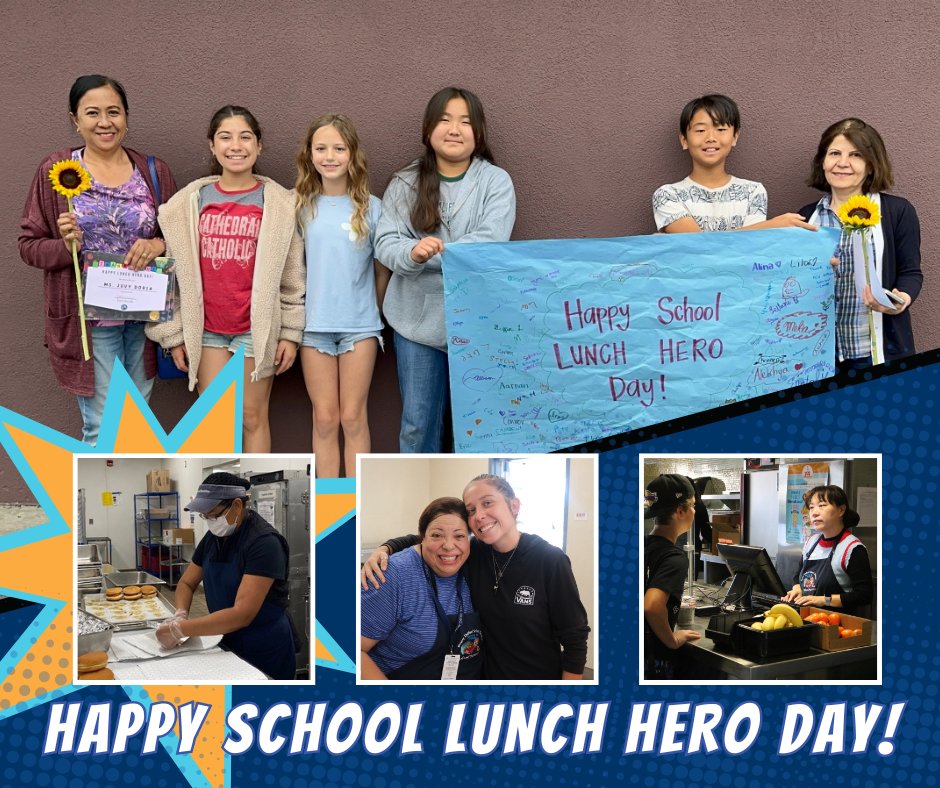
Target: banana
x=758 y=625
x=780 y=622
x=791 y=616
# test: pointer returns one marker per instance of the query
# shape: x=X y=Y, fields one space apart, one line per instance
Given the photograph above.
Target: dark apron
x=816 y=575
x=268 y=641
x=456 y=634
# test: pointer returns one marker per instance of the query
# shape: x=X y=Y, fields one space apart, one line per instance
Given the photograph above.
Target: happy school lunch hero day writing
x=84 y=728
x=557 y=343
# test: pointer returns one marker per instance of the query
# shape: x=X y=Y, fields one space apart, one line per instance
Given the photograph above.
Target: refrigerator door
x=285 y=503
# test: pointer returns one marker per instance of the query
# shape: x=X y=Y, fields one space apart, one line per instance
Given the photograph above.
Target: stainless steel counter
x=700 y=659
x=852 y=663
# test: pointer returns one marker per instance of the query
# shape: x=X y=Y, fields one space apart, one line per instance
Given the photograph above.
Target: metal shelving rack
x=153 y=555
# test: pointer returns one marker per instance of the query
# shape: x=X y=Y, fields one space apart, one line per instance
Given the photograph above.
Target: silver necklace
x=499 y=571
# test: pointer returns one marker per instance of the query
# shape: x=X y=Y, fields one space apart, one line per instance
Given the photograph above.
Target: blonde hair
x=309 y=184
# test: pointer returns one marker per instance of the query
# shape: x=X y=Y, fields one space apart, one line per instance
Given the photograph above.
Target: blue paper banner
x=555 y=343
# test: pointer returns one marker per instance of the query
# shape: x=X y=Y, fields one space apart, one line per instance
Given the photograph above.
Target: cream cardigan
x=277 y=290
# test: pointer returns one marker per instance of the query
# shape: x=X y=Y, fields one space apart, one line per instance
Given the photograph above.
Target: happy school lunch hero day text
x=81 y=728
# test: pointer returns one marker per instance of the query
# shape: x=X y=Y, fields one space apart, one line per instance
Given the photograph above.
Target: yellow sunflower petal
x=69 y=178
x=858 y=212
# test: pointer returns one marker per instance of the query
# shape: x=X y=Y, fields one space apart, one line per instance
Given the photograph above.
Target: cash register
x=755 y=584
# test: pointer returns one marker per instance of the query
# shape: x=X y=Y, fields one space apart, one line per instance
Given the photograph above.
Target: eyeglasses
x=209 y=516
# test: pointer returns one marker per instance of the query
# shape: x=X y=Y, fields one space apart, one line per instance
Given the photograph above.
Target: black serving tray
x=720 y=627
x=760 y=644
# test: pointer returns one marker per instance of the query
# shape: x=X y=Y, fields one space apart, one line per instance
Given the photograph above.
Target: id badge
x=451 y=664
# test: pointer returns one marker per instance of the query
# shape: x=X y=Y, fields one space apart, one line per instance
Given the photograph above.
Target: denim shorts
x=335 y=343
x=229 y=342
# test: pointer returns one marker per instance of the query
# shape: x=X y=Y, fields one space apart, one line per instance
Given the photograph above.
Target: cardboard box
x=725 y=518
x=158 y=480
x=175 y=536
x=826 y=636
x=160 y=512
x=724 y=534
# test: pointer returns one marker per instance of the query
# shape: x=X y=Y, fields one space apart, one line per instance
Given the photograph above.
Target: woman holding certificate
x=111 y=207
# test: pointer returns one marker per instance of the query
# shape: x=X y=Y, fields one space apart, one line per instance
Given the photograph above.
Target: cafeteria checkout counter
x=756 y=586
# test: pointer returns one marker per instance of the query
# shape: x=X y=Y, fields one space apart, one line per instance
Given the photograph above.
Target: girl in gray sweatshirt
x=452 y=194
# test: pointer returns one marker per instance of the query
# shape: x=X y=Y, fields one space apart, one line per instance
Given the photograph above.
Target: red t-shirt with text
x=228 y=241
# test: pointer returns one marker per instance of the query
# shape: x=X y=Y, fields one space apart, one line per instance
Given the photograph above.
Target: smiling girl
x=345 y=286
x=452 y=194
x=239 y=268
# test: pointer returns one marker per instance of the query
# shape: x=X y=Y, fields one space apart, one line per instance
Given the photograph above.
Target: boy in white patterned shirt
x=710 y=199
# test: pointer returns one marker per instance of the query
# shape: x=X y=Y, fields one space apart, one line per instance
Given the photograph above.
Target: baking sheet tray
x=133 y=579
x=128 y=615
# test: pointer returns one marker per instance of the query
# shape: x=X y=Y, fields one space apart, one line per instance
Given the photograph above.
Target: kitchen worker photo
x=242 y=562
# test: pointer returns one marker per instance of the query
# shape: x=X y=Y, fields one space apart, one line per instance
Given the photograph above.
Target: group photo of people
x=488 y=390
x=318 y=272
x=478 y=568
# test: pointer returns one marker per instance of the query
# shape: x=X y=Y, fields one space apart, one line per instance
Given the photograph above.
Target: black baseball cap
x=208 y=496
x=665 y=492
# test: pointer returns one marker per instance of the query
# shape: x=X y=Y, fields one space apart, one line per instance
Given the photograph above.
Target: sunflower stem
x=871 y=318
x=78 y=288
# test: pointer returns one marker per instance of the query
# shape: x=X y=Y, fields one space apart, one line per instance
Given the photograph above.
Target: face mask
x=220 y=526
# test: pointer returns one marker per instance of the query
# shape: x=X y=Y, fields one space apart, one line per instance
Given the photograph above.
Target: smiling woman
x=421 y=623
x=852 y=161
x=113 y=212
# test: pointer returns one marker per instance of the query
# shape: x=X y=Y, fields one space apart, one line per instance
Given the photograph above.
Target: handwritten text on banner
x=555 y=343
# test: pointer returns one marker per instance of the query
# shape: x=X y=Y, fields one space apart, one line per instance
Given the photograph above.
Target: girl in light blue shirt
x=345 y=285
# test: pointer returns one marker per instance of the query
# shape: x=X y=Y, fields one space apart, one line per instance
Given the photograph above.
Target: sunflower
x=859 y=212
x=69 y=178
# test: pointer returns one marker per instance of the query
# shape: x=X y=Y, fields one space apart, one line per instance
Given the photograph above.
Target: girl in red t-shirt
x=239 y=264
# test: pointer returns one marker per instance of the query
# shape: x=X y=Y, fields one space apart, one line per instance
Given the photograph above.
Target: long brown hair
x=426 y=211
x=310 y=185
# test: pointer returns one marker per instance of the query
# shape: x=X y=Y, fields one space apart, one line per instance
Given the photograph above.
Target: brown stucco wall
x=582 y=102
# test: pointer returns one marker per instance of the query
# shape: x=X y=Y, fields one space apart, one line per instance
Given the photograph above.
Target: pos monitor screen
x=752 y=570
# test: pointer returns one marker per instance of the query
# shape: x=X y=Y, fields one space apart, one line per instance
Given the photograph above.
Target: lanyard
x=457 y=631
